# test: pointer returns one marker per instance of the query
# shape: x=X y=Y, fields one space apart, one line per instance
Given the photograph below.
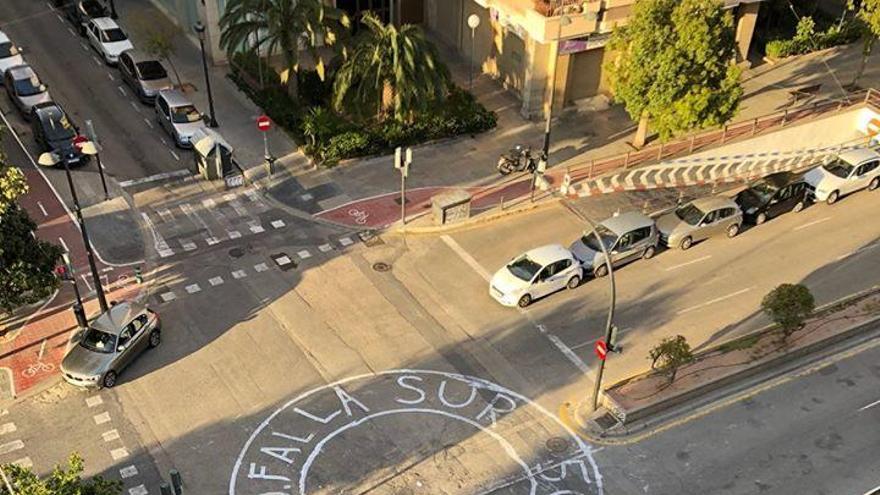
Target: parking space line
x=810 y=224
x=173 y=154
x=84 y=47
x=149 y=123
x=111 y=76
x=466 y=257
x=675 y=267
x=566 y=351
x=71 y=32
x=122 y=90
x=59 y=18
x=713 y=301
x=63 y=244
x=97 y=62
x=875 y=403
x=134 y=105
x=42 y=209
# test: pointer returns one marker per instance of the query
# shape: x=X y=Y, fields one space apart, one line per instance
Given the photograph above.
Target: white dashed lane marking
x=168 y=296
x=237 y=274
x=110 y=435
x=810 y=224
x=7 y=428
x=713 y=301
x=277 y=223
x=215 y=281
x=102 y=418
x=120 y=453
x=138 y=490
x=193 y=288
x=188 y=245
x=261 y=267
x=346 y=241
x=304 y=254
x=256 y=229
x=324 y=248
x=11 y=446
x=212 y=240
x=24 y=462
x=94 y=400
x=128 y=471
x=233 y=234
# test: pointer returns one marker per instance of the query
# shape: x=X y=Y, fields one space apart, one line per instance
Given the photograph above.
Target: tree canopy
x=675 y=64
x=64 y=480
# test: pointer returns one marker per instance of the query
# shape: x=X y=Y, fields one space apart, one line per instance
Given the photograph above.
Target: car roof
x=858 y=155
x=115 y=318
x=138 y=56
x=626 y=222
x=22 y=71
x=4 y=38
x=710 y=203
x=48 y=110
x=105 y=23
x=174 y=98
x=550 y=253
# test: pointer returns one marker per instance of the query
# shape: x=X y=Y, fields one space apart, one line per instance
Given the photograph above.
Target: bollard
x=680 y=197
x=165 y=488
x=80 y=314
x=138 y=275
x=176 y=482
x=270 y=164
x=645 y=208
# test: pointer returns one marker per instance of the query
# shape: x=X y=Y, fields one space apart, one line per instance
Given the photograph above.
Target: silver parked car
x=111 y=343
x=627 y=237
x=178 y=116
x=144 y=74
x=25 y=88
x=700 y=219
x=10 y=55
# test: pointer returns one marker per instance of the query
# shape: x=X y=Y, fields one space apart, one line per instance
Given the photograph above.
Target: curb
x=472 y=222
x=667 y=411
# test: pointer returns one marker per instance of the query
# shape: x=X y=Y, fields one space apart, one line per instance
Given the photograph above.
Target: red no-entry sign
x=601 y=349
x=263 y=123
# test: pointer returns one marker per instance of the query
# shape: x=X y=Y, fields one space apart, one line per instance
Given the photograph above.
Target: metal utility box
x=451 y=207
x=213 y=157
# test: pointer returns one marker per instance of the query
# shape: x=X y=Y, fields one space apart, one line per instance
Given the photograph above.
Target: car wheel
x=686 y=243
x=798 y=207
x=600 y=271
x=733 y=230
x=833 y=197
x=573 y=282
x=874 y=183
x=761 y=218
x=649 y=253
x=524 y=301
x=155 y=338
x=109 y=379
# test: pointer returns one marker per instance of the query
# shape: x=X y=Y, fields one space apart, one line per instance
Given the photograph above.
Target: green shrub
x=807 y=39
x=789 y=305
x=348 y=145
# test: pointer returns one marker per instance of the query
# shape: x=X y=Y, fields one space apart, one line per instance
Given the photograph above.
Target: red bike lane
x=379 y=212
x=33 y=345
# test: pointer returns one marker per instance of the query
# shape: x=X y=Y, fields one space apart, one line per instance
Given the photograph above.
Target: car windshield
x=839 y=168
x=763 y=190
x=28 y=86
x=608 y=238
x=98 y=341
x=113 y=35
x=689 y=213
x=185 y=114
x=7 y=49
x=151 y=70
x=524 y=268
x=58 y=128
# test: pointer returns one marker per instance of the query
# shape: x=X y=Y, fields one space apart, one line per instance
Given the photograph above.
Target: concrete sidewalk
x=578 y=135
x=235 y=113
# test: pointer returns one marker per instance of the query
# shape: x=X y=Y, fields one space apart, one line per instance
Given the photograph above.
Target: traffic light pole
x=99 y=288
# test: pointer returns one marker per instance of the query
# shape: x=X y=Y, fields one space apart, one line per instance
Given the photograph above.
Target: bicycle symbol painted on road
x=32 y=370
x=360 y=216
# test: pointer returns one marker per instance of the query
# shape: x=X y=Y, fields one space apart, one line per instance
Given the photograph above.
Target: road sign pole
x=93 y=137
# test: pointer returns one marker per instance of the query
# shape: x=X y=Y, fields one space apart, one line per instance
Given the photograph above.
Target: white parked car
x=535 y=274
x=846 y=173
x=10 y=55
x=107 y=38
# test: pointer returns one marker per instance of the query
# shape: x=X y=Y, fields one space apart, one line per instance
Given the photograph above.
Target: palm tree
x=280 y=26
x=391 y=70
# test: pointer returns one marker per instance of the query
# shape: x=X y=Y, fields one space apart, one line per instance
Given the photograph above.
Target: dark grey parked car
x=700 y=219
x=54 y=132
x=627 y=237
x=25 y=89
x=80 y=12
x=144 y=74
x=110 y=344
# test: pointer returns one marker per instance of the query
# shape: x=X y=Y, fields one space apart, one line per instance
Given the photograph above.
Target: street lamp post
x=473 y=22
x=50 y=159
x=200 y=30
x=91 y=149
x=609 y=323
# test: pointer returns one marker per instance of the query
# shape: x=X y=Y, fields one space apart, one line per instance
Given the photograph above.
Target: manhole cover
x=381 y=266
x=557 y=445
x=236 y=252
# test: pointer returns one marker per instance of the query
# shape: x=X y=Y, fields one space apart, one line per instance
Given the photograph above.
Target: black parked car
x=772 y=196
x=80 y=12
x=54 y=133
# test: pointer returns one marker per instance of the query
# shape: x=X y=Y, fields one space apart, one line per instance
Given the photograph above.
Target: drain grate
x=236 y=252
x=558 y=445
x=381 y=266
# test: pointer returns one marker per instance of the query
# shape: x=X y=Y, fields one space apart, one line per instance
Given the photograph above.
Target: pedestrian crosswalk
x=186 y=224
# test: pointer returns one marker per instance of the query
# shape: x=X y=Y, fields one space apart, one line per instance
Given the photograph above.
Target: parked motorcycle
x=518 y=159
